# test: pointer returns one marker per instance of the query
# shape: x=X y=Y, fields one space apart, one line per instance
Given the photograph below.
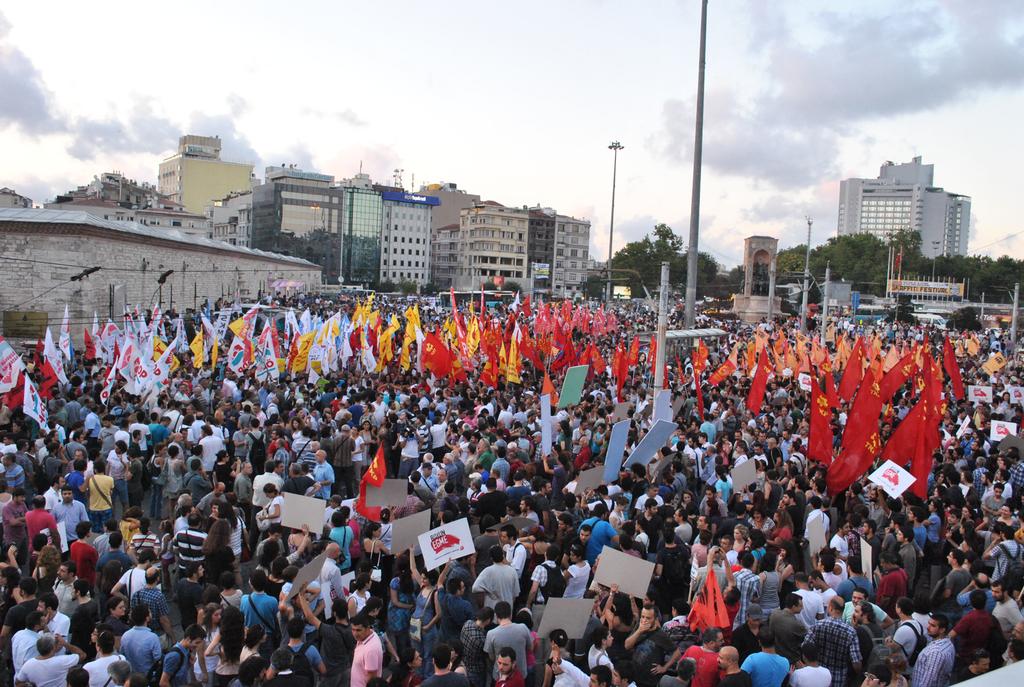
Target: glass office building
x=361 y=217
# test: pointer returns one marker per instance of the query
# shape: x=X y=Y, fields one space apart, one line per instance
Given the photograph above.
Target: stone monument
x=758 y=300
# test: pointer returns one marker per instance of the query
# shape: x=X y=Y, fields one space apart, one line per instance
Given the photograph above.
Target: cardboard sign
x=1016 y=394
x=964 y=426
x=446 y=543
x=589 y=479
x=816 y=535
x=519 y=522
x=805 y=381
x=1012 y=442
x=893 y=479
x=571 y=615
x=392 y=492
x=307 y=573
x=62 y=530
x=865 y=557
x=408 y=529
x=621 y=411
x=979 y=394
x=298 y=511
x=1000 y=430
x=616 y=447
x=744 y=474
x=663 y=405
x=995 y=363
x=572 y=386
x=633 y=575
x=545 y=424
x=652 y=442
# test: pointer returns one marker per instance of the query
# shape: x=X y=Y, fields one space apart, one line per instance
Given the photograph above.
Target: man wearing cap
x=745 y=637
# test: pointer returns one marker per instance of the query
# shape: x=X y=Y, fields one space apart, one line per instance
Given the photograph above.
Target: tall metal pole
x=825 y=296
x=615 y=147
x=659 y=361
x=807 y=279
x=771 y=289
x=698 y=150
x=1013 y=318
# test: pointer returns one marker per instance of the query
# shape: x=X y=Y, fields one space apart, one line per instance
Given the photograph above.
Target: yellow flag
x=994 y=364
x=238 y=326
x=158 y=350
x=473 y=335
x=512 y=367
x=301 y=361
x=198 y=357
x=213 y=353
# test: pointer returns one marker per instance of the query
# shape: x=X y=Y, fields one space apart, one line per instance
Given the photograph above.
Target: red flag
x=861 y=443
x=725 y=369
x=49 y=379
x=755 y=399
x=897 y=376
x=374 y=477
x=634 y=352
x=854 y=371
x=548 y=388
x=527 y=310
x=819 y=444
x=437 y=359
x=90 y=345
x=830 y=390
x=597 y=363
x=708 y=609
x=952 y=368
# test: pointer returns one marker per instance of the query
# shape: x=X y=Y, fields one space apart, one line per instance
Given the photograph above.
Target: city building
x=540 y=250
x=298 y=213
x=361 y=222
x=405 y=235
x=492 y=245
x=451 y=201
x=164 y=214
x=444 y=256
x=231 y=219
x=131 y=258
x=9 y=198
x=196 y=176
x=904 y=197
x=572 y=256
x=113 y=187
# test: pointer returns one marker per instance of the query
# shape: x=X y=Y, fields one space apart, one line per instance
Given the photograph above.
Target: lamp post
x=807 y=279
x=615 y=147
x=698 y=149
x=935 y=257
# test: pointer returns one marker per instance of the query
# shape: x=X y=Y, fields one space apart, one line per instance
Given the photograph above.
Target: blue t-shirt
x=260 y=609
x=176 y=665
x=75 y=480
x=766 y=670
x=312 y=655
x=601 y=535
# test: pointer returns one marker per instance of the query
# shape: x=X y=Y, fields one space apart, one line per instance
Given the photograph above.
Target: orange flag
x=374 y=477
x=708 y=609
x=549 y=388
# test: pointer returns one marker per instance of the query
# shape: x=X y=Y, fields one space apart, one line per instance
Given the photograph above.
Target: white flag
x=65 y=334
x=33 y=405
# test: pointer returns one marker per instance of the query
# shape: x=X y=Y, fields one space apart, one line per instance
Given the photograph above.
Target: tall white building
x=904 y=197
x=405 y=236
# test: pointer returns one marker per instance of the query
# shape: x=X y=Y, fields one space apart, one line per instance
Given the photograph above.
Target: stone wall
x=39 y=259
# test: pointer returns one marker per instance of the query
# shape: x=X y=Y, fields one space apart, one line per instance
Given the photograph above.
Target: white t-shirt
x=132 y=581
x=813 y=606
x=51 y=672
x=517 y=556
x=838 y=543
x=576 y=585
x=808 y=676
x=571 y=676
x=212 y=445
x=143 y=433
x=97 y=669
x=438 y=434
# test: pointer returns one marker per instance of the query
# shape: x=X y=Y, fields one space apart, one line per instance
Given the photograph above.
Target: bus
x=492 y=299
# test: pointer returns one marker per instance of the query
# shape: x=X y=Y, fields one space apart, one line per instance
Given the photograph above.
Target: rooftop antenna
x=360 y=166
x=397 y=180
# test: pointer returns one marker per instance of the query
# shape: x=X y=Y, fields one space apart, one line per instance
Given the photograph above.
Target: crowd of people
x=143 y=541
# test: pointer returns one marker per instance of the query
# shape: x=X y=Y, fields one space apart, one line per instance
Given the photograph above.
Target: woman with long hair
x=408 y=672
x=402 y=590
x=426 y=616
x=227 y=645
x=358 y=594
x=206 y=661
x=47 y=563
x=108 y=577
x=217 y=549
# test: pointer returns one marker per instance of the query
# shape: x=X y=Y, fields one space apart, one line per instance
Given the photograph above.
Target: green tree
x=965 y=318
x=641 y=262
x=513 y=286
x=407 y=287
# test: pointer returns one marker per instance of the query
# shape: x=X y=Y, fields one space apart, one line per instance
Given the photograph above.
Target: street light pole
x=1013 y=317
x=698 y=150
x=935 y=258
x=615 y=147
x=807 y=279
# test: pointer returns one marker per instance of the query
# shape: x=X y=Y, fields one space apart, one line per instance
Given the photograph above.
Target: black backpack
x=156 y=671
x=919 y=640
x=1014 y=574
x=258 y=451
x=301 y=665
x=675 y=565
x=554 y=587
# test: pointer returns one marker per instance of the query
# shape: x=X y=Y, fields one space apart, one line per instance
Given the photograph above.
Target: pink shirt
x=367 y=661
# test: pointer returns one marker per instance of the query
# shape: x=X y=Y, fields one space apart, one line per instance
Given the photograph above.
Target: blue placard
x=410 y=198
x=855 y=299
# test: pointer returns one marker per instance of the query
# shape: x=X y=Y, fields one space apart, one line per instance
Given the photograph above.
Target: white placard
x=893 y=479
x=816 y=535
x=964 y=426
x=865 y=558
x=62 y=530
x=1000 y=430
x=446 y=543
x=589 y=479
x=805 y=381
x=663 y=405
x=1016 y=394
x=297 y=511
x=632 y=574
x=616 y=447
x=307 y=573
x=545 y=424
x=652 y=442
x=744 y=475
x=571 y=615
x=979 y=394
x=408 y=529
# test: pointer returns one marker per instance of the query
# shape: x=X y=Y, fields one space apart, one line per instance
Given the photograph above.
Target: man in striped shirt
x=188 y=543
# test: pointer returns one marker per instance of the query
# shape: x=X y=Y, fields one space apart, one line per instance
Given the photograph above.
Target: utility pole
x=698 y=149
x=1013 y=317
x=659 y=361
x=807 y=279
x=826 y=295
x=615 y=147
x=771 y=290
x=982 y=315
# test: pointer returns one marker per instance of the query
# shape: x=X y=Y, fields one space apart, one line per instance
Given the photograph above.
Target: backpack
x=920 y=642
x=301 y=665
x=554 y=587
x=156 y=671
x=257 y=451
x=1014 y=575
x=675 y=565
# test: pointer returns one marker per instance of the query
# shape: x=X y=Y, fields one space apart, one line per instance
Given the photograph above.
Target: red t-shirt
x=84 y=557
x=513 y=680
x=706 y=672
x=973 y=631
x=892 y=586
x=38 y=520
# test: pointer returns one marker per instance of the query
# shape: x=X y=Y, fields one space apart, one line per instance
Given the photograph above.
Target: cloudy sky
x=518 y=101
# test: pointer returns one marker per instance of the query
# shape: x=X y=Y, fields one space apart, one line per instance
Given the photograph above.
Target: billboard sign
x=541 y=270
x=932 y=289
x=416 y=198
